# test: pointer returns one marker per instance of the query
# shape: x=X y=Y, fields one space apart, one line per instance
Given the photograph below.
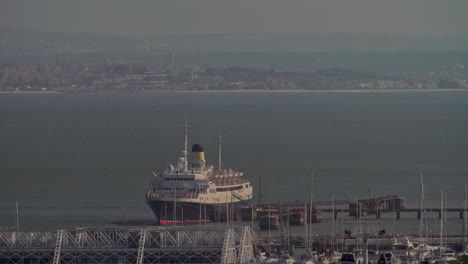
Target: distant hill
x=307 y=43
x=370 y=53
x=380 y=62
x=21 y=41
x=29 y=42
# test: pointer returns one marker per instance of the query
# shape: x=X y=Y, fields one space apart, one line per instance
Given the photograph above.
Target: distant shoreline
x=327 y=91
x=31 y=92
x=258 y=91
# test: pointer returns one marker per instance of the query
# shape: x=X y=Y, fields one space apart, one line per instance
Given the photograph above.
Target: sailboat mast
x=174 y=216
x=289 y=231
x=394 y=221
x=441 y=219
x=269 y=223
x=358 y=216
x=199 y=216
x=185 y=145
x=445 y=217
x=465 y=218
x=421 y=209
x=306 y=226
x=227 y=210
x=309 y=233
x=17 y=214
x=219 y=151
x=259 y=203
x=333 y=225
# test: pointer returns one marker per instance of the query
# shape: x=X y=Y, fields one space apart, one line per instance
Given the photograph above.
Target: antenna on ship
x=219 y=151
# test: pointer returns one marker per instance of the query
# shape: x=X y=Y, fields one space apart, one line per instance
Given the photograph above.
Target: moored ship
x=197 y=192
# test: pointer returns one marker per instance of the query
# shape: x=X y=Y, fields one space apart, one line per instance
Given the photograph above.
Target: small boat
x=350 y=258
x=388 y=258
x=309 y=258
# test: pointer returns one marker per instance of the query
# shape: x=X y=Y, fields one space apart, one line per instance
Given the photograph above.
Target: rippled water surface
x=80 y=159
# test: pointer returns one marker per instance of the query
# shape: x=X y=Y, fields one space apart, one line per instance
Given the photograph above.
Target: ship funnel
x=198 y=156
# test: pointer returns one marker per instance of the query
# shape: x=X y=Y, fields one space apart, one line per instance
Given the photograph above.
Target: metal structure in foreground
x=128 y=245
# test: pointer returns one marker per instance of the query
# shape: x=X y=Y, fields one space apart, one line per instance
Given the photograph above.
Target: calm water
x=79 y=159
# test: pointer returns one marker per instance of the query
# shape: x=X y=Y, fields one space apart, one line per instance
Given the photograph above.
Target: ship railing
x=179 y=194
x=151 y=194
x=225 y=182
x=226 y=173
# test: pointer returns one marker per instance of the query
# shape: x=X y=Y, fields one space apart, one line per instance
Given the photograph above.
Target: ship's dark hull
x=191 y=212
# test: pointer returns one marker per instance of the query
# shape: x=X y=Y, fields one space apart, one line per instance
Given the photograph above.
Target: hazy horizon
x=107 y=34
x=153 y=18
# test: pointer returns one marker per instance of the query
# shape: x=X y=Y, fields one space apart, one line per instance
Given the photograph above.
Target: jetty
x=298 y=212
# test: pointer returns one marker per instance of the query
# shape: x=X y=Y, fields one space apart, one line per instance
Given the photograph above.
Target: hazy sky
x=145 y=17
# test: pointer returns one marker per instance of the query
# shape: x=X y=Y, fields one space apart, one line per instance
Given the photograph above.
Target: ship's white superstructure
x=206 y=187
